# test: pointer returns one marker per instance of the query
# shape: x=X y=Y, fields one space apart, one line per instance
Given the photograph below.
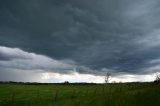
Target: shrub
x=157 y=80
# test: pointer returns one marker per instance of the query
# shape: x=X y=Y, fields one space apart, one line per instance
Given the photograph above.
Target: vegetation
x=157 y=80
x=128 y=94
x=107 y=77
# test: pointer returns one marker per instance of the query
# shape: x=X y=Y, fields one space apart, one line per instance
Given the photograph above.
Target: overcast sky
x=79 y=40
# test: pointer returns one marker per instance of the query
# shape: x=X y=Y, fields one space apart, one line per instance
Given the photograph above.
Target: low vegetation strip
x=129 y=94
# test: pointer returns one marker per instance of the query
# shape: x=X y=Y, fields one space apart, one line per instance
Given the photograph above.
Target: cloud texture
x=93 y=36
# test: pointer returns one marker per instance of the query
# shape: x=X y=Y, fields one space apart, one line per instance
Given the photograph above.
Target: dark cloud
x=117 y=35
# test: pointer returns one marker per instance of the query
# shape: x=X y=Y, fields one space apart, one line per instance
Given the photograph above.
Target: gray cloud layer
x=96 y=34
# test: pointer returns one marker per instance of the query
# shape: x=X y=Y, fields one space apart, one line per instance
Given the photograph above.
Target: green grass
x=134 y=94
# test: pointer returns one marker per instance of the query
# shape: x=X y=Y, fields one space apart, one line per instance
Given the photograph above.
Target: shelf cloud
x=89 y=37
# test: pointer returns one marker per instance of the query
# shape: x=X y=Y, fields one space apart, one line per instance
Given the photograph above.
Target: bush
x=157 y=80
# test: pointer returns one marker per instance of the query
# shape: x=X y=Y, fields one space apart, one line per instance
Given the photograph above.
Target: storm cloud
x=90 y=35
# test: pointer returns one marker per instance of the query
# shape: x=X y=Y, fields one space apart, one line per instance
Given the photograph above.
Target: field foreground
x=131 y=94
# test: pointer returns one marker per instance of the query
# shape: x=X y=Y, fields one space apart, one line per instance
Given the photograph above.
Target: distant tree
x=66 y=82
x=107 y=77
x=157 y=80
x=114 y=82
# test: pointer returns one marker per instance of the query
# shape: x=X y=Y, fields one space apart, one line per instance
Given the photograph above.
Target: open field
x=132 y=94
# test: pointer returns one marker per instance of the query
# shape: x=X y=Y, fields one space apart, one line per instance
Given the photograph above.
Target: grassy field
x=133 y=94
